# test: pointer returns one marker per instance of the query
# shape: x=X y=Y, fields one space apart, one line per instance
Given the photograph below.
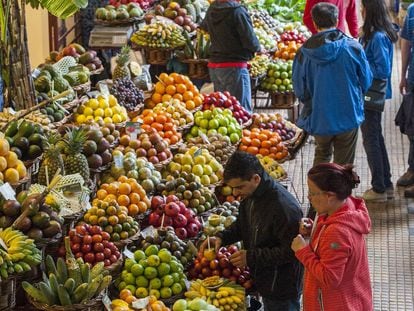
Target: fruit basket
x=282 y=100
x=8 y=293
x=115 y=268
x=156 y=56
x=90 y=305
x=247 y=124
x=170 y=301
x=22 y=184
x=119 y=22
x=159 y=166
x=197 y=68
x=97 y=71
x=65 y=120
x=136 y=112
x=83 y=88
x=184 y=128
x=101 y=169
x=122 y=243
x=255 y=81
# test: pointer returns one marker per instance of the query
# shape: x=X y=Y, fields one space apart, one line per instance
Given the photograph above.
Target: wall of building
x=37 y=35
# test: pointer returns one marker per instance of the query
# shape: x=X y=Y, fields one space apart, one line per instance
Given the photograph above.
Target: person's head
x=376 y=18
x=243 y=172
x=329 y=185
x=324 y=15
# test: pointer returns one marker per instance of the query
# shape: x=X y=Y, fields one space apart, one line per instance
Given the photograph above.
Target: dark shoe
x=409 y=192
x=390 y=192
x=407 y=179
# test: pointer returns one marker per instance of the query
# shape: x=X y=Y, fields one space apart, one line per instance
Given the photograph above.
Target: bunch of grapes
x=127 y=94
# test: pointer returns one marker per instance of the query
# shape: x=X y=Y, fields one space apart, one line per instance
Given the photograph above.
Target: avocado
x=6 y=221
x=35 y=234
x=11 y=208
x=10 y=140
x=85 y=58
x=25 y=130
x=79 y=48
x=17 y=151
x=58 y=116
x=11 y=129
x=22 y=143
x=41 y=220
x=35 y=139
x=34 y=151
x=53 y=229
x=24 y=225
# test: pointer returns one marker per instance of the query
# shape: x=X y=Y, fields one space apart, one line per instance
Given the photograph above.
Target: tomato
x=76 y=247
x=99 y=257
x=90 y=257
x=107 y=252
x=97 y=238
x=87 y=239
x=98 y=247
x=105 y=236
x=86 y=248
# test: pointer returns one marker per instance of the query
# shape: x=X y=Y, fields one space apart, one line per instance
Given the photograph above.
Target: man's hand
x=215 y=243
x=239 y=259
x=403 y=85
x=298 y=243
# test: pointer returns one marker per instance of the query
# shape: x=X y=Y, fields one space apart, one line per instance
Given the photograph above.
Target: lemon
x=93 y=103
x=123 y=117
x=116 y=118
x=103 y=103
x=11 y=175
x=21 y=169
x=11 y=159
x=99 y=119
x=107 y=120
x=3 y=164
x=89 y=118
x=88 y=111
x=112 y=101
x=108 y=112
x=99 y=112
x=116 y=110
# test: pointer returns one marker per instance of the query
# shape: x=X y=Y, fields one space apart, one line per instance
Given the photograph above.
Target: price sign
x=133 y=129
x=107 y=302
x=140 y=303
x=7 y=192
x=118 y=160
x=127 y=253
x=149 y=231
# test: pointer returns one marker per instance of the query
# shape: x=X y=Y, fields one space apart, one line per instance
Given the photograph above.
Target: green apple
x=141 y=292
x=180 y=305
x=166 y=292
x=222 y=130
x=155 y=283
x=141 y=281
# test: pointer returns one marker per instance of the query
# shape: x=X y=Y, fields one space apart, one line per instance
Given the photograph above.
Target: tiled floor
x=391 y=242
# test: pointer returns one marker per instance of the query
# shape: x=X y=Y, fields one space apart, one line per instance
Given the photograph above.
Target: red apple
x=224 y=263
x=192 y=229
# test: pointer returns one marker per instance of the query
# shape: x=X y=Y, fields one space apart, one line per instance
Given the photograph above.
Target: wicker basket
x=91 y=305
x=116 y=268
x=184 y=128
x=158 y=56
x=83 y=88
x=22 y=184
x=197 y=68
x=282 y=100
x=170 y=301
x=97 y=71
x=136 y=112
x=8 y=291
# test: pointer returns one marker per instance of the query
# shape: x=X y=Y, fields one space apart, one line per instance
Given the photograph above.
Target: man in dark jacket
x=233 y=43
x=268 y=218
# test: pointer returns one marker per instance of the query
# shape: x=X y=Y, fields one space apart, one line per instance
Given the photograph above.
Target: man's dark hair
x=325 y=15
x=242 y=165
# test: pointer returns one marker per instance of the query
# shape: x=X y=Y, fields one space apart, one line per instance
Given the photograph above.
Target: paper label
x=118 y=161
x=204 y=137
x=149 y=231
x=140 y=303
x=187 y=284
x=133 y=129
x=197 y=153
x=127 y=253
x=107 y=302
x=7 y=192
x=103 y=88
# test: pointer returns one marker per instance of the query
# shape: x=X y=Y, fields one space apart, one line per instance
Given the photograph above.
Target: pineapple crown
x=123 y=57
x=75 y=139
x=51 y=142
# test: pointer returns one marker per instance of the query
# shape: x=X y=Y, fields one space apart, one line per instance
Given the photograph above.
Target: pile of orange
x=128 y=193
x=162 y=123
x=264 y=142
x=153 y=304
x=175 y=86
x=287 y=50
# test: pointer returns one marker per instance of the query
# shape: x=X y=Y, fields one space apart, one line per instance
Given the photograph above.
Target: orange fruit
x=133 y=210
x=148 y=120
x=256 y=142
x=171 y=89
x=178 y=96
x=142 y=207
x=134 y=198
x=252 y=150
x=124 y=188
x=266 y=144
x=141 y=192
x=110 y=197
x=130 y=299
x=122 y=178
x=264 y=151
x=156 y=98
x=123 y=199
x=181 y=88
x=198 y=100
x=125 y=293
x=169 y=81
x=246 y=141
x=163 y=76
x=158 y=126
x=124 y=140
x=243 y=148
x=166 y=98
x=146 y=201
x=188 y=95
x=190 y=105
x=279 y=156
x=168 y=126
x=159 y=88
x=161 y=118
x=112 y=188
x=101 y=194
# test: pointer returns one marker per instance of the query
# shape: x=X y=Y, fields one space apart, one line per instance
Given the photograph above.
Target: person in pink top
x=347 y=15
x=335 y=259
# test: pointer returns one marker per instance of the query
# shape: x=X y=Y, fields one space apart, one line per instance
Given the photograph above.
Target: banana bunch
x=228 y=297
x=18 y=253
x=212 y=281
x=159 y=35
x=69 y=282
x=272 y=167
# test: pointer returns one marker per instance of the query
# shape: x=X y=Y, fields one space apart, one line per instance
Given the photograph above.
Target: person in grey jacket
x=268 y=220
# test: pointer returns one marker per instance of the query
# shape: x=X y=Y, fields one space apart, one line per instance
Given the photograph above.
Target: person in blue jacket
x=330 y=75
x=378 y=36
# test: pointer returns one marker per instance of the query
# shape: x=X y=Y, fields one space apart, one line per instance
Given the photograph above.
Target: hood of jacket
x=221 y=10
x=325 y=46
x=353 y=214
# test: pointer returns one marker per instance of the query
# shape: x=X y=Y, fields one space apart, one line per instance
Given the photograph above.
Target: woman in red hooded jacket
x=335 y=260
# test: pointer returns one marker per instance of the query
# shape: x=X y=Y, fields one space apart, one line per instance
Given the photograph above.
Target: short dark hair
x=242 y=165
x=325 y=15
x=332 y=177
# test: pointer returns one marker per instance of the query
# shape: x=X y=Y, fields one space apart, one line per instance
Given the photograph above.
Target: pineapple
x=75 y=161
x=52 y=158
x=121 y=69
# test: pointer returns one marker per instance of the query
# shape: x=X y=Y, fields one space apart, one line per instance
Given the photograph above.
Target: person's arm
x=298 y=76
x=307 y=17
x=381 y=64
x=363 y=69
x=333 y=249
x=352 y=18
x=245 y=30
x=405 y=59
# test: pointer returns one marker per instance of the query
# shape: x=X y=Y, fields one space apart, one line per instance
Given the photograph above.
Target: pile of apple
x=144 y=4
x=226 y=100
x=189 y=191
x=214 y=121
x=178 y=14
x=92 y=244
x=153 y=272
x=150 y=146
x=131 y=166
x=167 y=239
x=278 y=77
x=171 y=212
x=210 y=263
x=198 y=161
x=275 y=123
x=293 y=36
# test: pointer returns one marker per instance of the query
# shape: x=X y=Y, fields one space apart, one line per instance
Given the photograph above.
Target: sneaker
x=407 y=179
x=390 y=192
x=409 y=192
x=371 y=196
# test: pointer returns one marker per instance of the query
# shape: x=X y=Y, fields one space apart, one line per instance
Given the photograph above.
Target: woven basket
x=197 y=68
x=184 y=128
x=82 y=88
x=170 y=301
x=8 y=291
x=97 y=71
x=22 y=184
x=91 y=305
x=247 y=124
x=70 y=106
x=282 y=100
x=116 y=268
x=136 y=112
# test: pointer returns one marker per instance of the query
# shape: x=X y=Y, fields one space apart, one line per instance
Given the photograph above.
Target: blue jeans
x=281 y=305
x=374 y=146
x=411 y=154
x=236 y=81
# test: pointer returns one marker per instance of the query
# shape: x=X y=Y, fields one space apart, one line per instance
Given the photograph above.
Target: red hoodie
x=347 y=13
x=336 y=262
